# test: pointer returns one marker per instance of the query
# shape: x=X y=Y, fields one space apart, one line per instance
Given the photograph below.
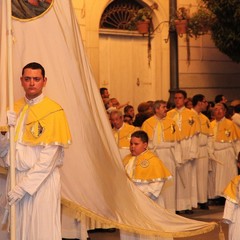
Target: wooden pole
x=11 y=107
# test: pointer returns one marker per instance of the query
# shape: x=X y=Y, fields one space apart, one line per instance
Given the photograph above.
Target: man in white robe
x=231 y=215
x=164 y=139
x=41 y=132
x=186 y=176
x=226 y=139
x=4 y=235
x=205 y=149
x=122 y=131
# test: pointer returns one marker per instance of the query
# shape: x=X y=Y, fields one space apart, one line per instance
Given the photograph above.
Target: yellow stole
x=169 y=128
x=189 y=124
x=224 y=130
x=123 y=135
x=231 y=192
x=205 y=126
x=45 y=123
x=147 y=167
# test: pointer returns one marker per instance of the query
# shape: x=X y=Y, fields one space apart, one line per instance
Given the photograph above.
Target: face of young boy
x=137 y=146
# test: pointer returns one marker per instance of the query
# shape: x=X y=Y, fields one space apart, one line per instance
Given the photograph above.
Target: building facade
x=122 y=61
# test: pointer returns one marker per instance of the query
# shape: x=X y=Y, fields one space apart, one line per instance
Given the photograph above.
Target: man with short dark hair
x=220 y=99
x=205 y=150
x=189 y=129
x=104 y=93
x=41 y=133
x=129 y=110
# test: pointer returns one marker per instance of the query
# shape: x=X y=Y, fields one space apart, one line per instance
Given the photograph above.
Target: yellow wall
x=209 y=72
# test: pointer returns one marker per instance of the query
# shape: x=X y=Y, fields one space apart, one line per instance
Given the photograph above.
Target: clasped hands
x=15 y=195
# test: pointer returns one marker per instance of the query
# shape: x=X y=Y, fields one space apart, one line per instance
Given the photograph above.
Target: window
x=118 y=14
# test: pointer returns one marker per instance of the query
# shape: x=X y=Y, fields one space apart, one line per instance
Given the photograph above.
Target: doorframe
x=161 y=46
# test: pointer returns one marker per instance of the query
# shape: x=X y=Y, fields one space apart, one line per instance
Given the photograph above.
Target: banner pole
x=11 y=108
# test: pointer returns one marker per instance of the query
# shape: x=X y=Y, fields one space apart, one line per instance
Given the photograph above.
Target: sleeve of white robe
x=237 y=147
x=193 y=154
x=210 y=147
x=177 y=153
x=47 y=162
x=229 y=212
x=152 y=190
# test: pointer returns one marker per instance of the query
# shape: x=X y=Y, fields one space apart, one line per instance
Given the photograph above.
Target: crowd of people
x=181 y=158
x=196 y=140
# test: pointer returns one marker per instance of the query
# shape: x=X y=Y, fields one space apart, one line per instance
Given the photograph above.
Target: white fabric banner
x=94 y=182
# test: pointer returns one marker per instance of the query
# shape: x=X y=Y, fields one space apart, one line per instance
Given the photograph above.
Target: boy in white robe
x=147 y=172
x=231 y=213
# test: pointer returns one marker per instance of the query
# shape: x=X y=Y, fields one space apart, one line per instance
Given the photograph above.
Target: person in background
x=129 y=110
x=231 y=214
x=104 y=92
x=226 y=150
x=189 y=103
x=146 y=171
x=4 y=233
x=189 y=130
x=113 y=104
x=236 y=120
x=150 y=105
x=121 y=131
x=128 y=119
x=41 y=133
x=164 y=140
x=129 y=114
x=209 y=111
x=144 y=112
x=205 y=150
x=236 y=115
x=220 y=99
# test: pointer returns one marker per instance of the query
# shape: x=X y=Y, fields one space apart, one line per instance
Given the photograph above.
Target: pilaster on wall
x=89 y=14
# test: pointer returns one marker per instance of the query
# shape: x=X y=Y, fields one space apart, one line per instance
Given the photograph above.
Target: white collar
x=35 y=100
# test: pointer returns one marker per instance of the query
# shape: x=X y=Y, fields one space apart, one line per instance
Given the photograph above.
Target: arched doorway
x=124 y=60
